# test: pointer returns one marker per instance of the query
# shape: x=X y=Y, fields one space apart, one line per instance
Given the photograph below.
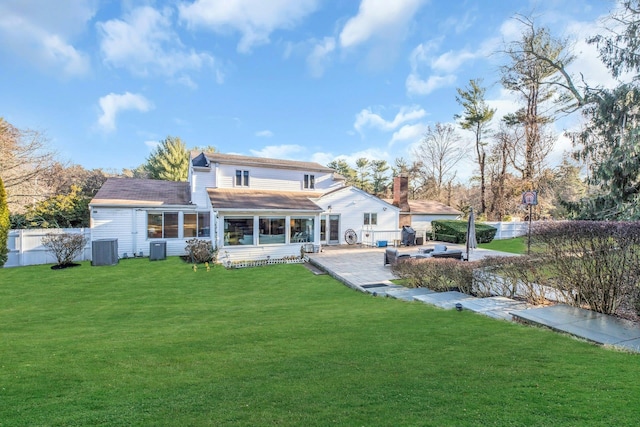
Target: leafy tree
x=534 y=74
x=4 y=225
x=620 y=51
x=61 y=211
x=609 y=141
x=379 y=178
x=343 y=168
x=609 y=145
x=476 y=117
x=169 y=161
x=362 y=169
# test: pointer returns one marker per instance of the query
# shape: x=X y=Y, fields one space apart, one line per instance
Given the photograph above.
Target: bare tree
x=439 y=152
x=24 y=159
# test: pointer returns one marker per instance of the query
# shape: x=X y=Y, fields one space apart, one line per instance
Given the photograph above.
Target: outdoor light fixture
x=458 y=306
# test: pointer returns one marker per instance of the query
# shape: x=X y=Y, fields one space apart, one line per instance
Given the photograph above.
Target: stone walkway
x=362 y=269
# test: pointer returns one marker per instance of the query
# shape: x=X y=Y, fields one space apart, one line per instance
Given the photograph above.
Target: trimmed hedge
x=454 y=231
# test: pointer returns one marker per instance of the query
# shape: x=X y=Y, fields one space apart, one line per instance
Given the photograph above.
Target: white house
x=251 y=208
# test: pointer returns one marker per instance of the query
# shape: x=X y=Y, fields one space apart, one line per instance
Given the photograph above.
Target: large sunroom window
x=238 y=231
x=301 y=230
x=272 y=230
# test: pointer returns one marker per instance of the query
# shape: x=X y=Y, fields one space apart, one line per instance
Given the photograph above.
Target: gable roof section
x=429 y=207
x=264 y=162
x=142 y=192
x=351 y=188
x=224 y=199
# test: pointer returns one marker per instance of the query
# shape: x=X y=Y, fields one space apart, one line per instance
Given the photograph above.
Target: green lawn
x=517 y=245
x=154 y=343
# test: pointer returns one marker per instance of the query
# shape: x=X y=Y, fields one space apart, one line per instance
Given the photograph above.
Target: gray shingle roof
x=240 y=199
x=142 y=192
x=429 y=207
x=262 y=162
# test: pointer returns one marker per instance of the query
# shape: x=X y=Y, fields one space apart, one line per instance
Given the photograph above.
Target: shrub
x=455 y=231
x=439 y=275
x=520 y=276
x=201 y=251
x=64 y=246
x=597 y=261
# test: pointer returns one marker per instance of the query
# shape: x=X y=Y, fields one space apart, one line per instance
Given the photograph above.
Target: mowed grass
x=517 y=245
x=154 y=343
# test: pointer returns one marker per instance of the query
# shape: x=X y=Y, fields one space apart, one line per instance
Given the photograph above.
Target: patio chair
x=391 y=256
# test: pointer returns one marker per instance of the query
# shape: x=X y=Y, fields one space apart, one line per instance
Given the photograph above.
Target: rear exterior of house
x=250 y=208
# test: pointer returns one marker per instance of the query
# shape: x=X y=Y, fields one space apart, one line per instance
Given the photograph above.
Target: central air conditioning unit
x=104 y=252
x=157 y=251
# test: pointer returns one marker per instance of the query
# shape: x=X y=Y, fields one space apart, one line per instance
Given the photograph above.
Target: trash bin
x=419 y=241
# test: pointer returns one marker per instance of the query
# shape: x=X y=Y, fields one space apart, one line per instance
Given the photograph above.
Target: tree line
x=40 y=191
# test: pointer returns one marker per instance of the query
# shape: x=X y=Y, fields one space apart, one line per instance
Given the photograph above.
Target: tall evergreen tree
x=4 y=225
x=476 y=118
x=343 y=168
x=169 y=161
x=379 y=177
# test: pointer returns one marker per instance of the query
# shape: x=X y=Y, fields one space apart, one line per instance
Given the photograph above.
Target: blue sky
x=294 y=79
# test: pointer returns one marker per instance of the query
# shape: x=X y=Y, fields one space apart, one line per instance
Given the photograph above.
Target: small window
x=196 y=225
x=370 y=219
x=162 y=225
x=309 y=182
x=242 y=178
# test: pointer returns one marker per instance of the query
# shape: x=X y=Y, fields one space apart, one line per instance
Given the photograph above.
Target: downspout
x=134 y=231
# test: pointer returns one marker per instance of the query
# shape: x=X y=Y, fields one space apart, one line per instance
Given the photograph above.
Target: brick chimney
x=401 y=192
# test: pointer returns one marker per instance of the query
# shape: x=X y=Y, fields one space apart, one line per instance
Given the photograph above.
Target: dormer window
x=309 y=182
x=242 y=178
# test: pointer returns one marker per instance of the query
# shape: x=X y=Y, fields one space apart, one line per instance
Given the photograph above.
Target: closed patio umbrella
x=471 y=233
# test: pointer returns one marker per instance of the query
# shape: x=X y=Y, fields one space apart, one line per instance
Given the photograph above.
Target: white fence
x=508 y=230
x=505 y=230
x=25 y=246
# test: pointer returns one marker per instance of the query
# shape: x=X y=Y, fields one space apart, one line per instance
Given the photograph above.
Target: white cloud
x=320 y=56
x=450 y=61
x=367 y=118
x=43 y=35
x=145 y=43
x=113 y=104
x=264 y=134
x=420 y=60
x=411 y=133
x=279 y=151
x=255 y=20
x=378 y=18
x=152 y=145
x=418 y=86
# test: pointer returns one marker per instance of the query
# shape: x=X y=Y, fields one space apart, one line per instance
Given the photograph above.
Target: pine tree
x=169 y=161
x=4 y=225
x=476 y=118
